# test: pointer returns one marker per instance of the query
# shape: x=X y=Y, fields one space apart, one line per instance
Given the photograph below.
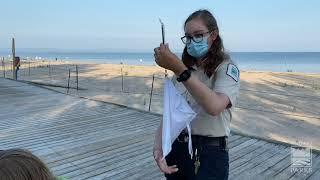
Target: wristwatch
x=185 y=75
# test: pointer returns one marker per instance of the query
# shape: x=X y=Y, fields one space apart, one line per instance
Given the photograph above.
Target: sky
x=124 y=25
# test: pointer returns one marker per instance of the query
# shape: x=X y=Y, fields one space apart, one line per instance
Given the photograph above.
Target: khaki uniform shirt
x=225 y=80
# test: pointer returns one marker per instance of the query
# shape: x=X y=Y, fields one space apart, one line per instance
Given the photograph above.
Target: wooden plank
x=278 y=167
x=255 y=170
x=102 y=132
x=151 y=173
x=142 y=171
x=242 y=145
x=239 y=154
x=21 y=112
x=72 y=109
x=315 y=170
x=38 y=122
x=106 y=146
x=39 y=107
x=49 y=132
x=44 y=105
x=78 y=142
x=314 y=176
x=233 y=137
x=135 y=167
x=103 y=154
x=66 y=121
x=122 y=166
x=90 y=149
x=114 y=162
x=254 y=162
x=106 y=155
x=157 y=176
x=238 y=141
x=249 y=156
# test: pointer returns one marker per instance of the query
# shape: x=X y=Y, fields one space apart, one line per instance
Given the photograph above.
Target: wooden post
x=13 y=59
x=49 y=69
x=151 y=93
x=3 y=68
x=29 y=68
x=68 y=82
x=77 y=77
x=122 y=79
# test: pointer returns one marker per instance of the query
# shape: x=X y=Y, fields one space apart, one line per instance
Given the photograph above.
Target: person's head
x=203 y=42
x=18 y=164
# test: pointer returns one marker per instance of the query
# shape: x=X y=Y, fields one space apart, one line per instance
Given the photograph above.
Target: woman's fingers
x=165 y=168
x=163 y=56
x=169 y=170
x=173 y=170
x=162 y=47
x=156 y=50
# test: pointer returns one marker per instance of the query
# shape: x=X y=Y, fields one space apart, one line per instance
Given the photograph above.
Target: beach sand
x=272 y=105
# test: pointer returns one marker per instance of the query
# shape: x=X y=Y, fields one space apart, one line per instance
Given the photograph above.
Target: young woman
x=209 y=81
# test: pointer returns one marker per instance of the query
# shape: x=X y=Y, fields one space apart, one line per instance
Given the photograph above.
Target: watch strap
x=185 y=75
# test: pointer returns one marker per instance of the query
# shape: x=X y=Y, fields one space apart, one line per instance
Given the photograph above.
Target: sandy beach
x=273 y=105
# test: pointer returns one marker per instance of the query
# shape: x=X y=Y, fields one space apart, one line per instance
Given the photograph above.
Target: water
x=279 y=61
x=258 y=61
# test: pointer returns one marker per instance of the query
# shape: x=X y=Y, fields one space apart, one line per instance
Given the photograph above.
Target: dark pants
x=16 y=72
x=214 y=162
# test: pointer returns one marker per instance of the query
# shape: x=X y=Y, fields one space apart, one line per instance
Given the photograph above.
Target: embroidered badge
x=233 y=72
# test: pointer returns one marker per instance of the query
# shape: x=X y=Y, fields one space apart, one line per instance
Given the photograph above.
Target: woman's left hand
x=166 y=59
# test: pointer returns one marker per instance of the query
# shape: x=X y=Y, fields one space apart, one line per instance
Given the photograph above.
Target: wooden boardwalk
x=84 y=139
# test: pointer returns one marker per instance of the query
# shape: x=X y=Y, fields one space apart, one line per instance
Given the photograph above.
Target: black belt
x=205 y=140
x=213 y=141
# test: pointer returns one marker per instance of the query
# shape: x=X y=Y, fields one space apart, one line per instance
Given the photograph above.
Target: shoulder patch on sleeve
x=233 y=72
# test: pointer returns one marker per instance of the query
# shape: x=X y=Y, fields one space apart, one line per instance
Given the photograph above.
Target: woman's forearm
x=158 y=138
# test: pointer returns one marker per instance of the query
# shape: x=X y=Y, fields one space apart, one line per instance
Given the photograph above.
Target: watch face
x=184 y=76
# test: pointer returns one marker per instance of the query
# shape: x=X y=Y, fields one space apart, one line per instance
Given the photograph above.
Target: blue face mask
x=198 y=50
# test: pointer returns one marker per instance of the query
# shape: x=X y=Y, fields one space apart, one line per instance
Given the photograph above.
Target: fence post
x=3 y=68
x=122 y=79
x=77 y=77
x=49 y=69
x=13 y=60
x=68 y=81
x=151 y=92
x=29 y=68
